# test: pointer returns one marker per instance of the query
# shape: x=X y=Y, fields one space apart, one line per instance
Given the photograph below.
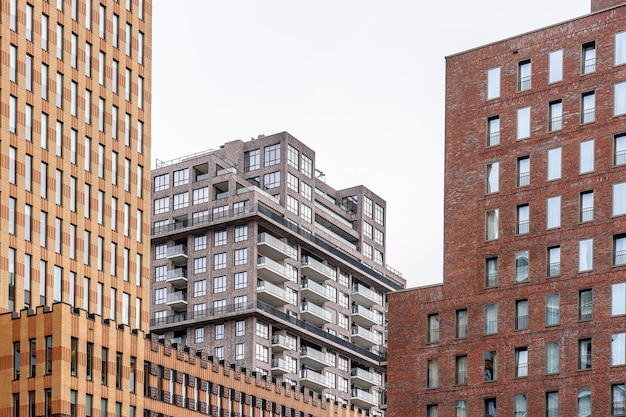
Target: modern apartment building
x=257 y=261
x=75 y=247
x=530 y=317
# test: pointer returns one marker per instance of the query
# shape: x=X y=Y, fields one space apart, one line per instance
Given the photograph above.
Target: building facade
x=530 y=317
x=257 y=261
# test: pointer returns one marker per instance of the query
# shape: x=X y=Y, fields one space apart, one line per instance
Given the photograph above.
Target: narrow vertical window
x=523 y=123
x=556 y=116
x=493 y=177
x=587 y=156
x=588 y=107
x=554 y=212
x=555 y=66
x=586 y=206
x=620 y=48
x=493 y=83
x=554 y=261
x=524 y=75
x=553 y=309
x=589 y=58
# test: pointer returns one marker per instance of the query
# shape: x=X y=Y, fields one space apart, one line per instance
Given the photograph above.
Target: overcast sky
x=361 y=82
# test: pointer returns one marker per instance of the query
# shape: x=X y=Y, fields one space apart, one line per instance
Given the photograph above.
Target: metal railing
x=620 y=257
x=373 y=316
x=586 y=214
x=372 y=295
x=554 y=269
x=315 y=309
x=589 y=115
x=525 y=83
x=620 y=157
x=521 y=323
x=492 y=279
x=523 y=227
x=589 y=66
x=556 y=123
x=494 y=138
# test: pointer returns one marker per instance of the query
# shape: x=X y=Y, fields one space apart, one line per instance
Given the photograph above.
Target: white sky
x=359 y=81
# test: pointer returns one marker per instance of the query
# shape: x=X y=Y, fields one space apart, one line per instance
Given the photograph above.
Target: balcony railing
x=521 y=323
x=363 y=374
x=590 y=66
x=589 y=115
x=554 y=269
x=556 y=123
x=492 y=279
x=620 y=257
x=523 y=227
x=620 y=157
x=371 y=336
x=374 y=296
x=314 y=376
x=371 y=315
x=315 y=354
x=524 y=83
x=364 y=395
x=316 y=288
x=322 y=271
x=315 y=309
x=523 y=179
x=586 y=214
x=494 y=138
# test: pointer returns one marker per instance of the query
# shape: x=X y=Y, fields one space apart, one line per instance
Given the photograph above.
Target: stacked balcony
x=271 y=294
x=177 y=277
x=365 y=317
x=362 y=398
x=313 y=291
x=363 y=337
x=314 y=314
x=313 y=358
x=271 y=247
x=281 y=343
x=361 y=378
x=177 y=254
x=177 y=300
x=271 y=270
x=315 y=270
x=313 y=380
x=365 y=296
x=280 y=366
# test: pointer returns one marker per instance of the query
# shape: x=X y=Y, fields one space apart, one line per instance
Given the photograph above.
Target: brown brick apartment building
x=257 y=261
x=75 y=247
x=530 y=318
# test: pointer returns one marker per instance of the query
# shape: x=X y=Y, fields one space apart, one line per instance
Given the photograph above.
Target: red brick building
x=530 y=318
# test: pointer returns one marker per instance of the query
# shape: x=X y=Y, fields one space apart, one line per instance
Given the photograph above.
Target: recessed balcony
x=314 y=314
x=271 y=270
x=363 y=337
x=271 y=247
x=271 y=294
x=362 y=378
x=313 y=291
x=313 y=358
x=177 y=300
x=313 y=380
x=177 y=277
x=177 y=254
x=362 y=398
x=366 y=297
x=280 y=343
x=315 y=270
x=364 y=316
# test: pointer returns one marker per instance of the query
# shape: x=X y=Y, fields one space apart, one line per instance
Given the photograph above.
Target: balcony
x=177 y=300
x=316 y=270
x=365 y=317
x=366 y=297
x=362 y=398
x=179 y=341
x=314 y=314
x=271 y=270
x=362 y=378
x=271 y=247
x=313 y=358
x=177 y=254
x=280 y=343
x=313 y=291
x=313 y=380
x=271 y=294
x=363 y=337
x=177 y=277
x=280 y=366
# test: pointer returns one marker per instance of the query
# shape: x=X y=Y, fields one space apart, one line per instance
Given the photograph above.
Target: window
x=521 y=362
x=240 y=302
x=587 y=156
x=554 y=212
x=48 y=369
x=161 y=182
x=619 y=199
x=524 y=75
x=620 y=149
x=555 y=66
x=523 y=171
x=493 y=83
x=588 y=107
x=240 y=351
x=432 y=410
x=219 y=284
x=241 y=256
x=241 y=280
x=460 y=408
x=219 y=331
x=461 y=370
x=585 y=255
x=491 y=318
x=618 y=299
x=554 y=261
x=493 y=131
x=199 y=288
x=181 y=200
x=620 y=48
x=261 y=353
x=271 y=155
x=432 y=373
x=493 y=177
x=161 y=205
x=490 y=407
x=523 y=123
x=552 y=404
x=521 y=314
x=618 y=349
x=241 y=233
x=74 y=357
x=585 y=305
x=588 y=58
x=491 y=272
x=491 y=362
x=433 y=328
x=521 y=266
x=219 y=261
x=618 y=400
x=492 y=224
x=619 y=250
x=523 y=219
x=461 y=324
x=586 y=206
x=181 y=177
x=271 y=180
x=252 y=160
x=620 y=99
x=584 y=402
x=556 y=116
x=552 y=358
x=160 y=295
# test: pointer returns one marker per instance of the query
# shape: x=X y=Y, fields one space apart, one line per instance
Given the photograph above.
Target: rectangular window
x=586 y=206
x=585 y=305
x=493 y=177
x=118 y=370
x=432 y=373
x=554 y=261
x=493 y=83
x=521 y=314
x=461 y=324
x=523 y=123
x=491 y=272
x=521 y=362
x=620 y=48
x=181 y=177
x=584 y=354
x=523 y=171
x=618 y=400
x=588 y=57
x=552 y=358
x=521 y=266
x=556 y=116
x=523 y=219
x=491 y=319
x=552 y=404
x=619 y=250
x=433 y=328
x=492 y=224
x=554 y=212
x=493 y=131
x=524 y=75
x=585 y=255
x=588 y=107
x=587 y=156
x=460 y=408
x=618 y=349
x=461 y=370
x=271 y=155
x=491 y=365
x=620 y=149
x=619 y=199
x=555 y=66
x=74 y=357
x=618 y=299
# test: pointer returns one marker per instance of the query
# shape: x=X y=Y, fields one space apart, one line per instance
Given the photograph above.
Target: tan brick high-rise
x=530 y=318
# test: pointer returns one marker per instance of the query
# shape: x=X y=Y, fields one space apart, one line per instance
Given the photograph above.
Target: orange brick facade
x=529 y=319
